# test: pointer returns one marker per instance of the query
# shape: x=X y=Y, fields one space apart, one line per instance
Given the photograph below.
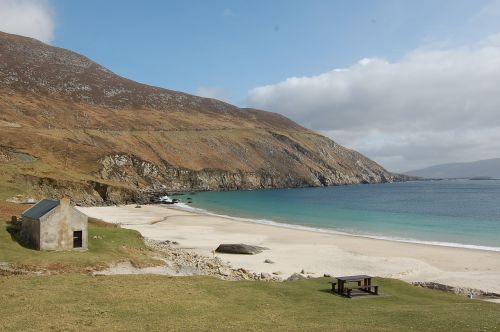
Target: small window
x=77 y=239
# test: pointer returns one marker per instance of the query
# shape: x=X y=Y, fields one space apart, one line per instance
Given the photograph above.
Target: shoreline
x=317 y=253
x=187 y=208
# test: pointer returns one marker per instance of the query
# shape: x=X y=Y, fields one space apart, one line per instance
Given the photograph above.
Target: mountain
x=476 y=169
x=70 y=125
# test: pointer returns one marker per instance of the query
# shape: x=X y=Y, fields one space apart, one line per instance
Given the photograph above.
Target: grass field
x=157 y=303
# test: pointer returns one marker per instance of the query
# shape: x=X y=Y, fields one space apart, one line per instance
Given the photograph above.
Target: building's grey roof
x=40 y=209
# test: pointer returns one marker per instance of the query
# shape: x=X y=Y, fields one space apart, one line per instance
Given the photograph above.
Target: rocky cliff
x=69 y=124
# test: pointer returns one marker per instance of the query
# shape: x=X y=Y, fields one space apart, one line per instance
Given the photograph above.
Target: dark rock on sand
x=265 y=275
x=242 y=249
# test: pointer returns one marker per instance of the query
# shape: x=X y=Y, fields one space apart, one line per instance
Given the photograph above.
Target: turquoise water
x=456 y=213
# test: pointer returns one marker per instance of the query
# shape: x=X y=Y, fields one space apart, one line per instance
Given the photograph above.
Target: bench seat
x=348 y=290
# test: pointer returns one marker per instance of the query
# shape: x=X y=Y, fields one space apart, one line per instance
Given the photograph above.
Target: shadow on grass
x=355 y=295
x=327 y=290
x=15 y=235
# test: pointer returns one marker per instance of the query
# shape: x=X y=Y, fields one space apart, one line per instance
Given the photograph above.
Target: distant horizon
x=486 y=168
x=408 y=85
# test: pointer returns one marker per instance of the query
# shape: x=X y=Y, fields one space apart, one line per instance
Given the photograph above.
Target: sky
x=407 y=83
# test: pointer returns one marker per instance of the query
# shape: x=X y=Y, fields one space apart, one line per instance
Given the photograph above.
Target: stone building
x=54 y=225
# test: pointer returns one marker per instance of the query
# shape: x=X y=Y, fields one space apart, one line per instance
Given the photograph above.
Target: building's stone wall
x=30 y=232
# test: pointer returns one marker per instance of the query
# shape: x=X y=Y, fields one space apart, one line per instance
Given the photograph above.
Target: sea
x=455 y=213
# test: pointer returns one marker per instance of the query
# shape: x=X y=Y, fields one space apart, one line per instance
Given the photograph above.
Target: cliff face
x=68 y=124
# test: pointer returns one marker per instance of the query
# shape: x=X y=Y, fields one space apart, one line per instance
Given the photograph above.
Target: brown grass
x=11 y=209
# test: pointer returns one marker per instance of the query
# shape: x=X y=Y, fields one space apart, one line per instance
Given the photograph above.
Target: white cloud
x=432 y=106
x=212 y=92
x=32 y=18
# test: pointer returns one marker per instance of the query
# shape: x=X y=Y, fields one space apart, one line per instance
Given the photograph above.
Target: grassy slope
x=115 y=244
x=7 y=191
x=76 y=302
x=74 y=150
x=8 y=187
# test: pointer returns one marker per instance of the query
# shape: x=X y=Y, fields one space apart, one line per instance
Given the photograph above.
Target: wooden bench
x=366 y=288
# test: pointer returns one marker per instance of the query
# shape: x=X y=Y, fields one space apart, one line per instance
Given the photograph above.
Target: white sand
x=293 y=250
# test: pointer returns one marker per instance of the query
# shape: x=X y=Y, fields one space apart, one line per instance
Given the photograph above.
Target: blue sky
x=407 y=83
x=233 y=46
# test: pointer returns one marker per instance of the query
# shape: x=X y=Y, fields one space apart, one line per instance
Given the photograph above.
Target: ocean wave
x=186 y=207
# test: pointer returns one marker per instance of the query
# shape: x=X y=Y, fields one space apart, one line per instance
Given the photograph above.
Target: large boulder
x=240 y=248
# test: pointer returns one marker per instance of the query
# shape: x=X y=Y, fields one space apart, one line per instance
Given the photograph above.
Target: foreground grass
x=77 y=302
x=107 y=244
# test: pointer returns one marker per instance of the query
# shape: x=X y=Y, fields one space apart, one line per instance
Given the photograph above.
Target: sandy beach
x=293 y=250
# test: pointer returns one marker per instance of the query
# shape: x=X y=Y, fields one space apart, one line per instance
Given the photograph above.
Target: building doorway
x=77 y=239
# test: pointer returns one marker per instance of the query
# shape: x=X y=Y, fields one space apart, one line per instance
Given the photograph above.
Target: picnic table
x=345 y=288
